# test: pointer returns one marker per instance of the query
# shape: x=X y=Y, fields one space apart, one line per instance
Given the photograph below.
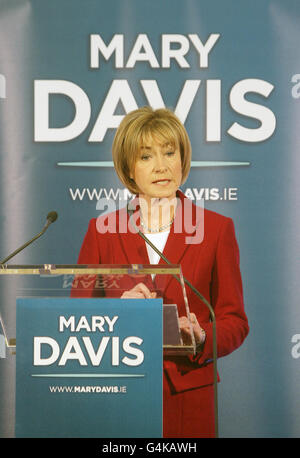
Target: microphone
x=51 y=218
x=130 y=212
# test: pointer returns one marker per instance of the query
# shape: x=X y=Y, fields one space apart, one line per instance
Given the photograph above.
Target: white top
x=159 y=240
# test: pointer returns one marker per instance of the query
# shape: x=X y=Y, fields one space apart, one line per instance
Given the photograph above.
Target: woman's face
x=157 y=171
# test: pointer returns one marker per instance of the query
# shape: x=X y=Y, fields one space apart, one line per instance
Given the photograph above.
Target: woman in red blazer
x=152 y=154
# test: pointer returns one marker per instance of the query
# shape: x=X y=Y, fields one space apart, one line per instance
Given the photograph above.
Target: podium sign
x=89 y=367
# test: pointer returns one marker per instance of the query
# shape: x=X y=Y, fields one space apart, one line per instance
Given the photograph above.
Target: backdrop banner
x=71 y=69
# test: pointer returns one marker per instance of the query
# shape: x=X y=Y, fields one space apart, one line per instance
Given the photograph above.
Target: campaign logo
x=175 y=51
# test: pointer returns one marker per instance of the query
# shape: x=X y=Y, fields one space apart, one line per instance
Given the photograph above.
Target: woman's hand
x=184 y=326
x=140 y=291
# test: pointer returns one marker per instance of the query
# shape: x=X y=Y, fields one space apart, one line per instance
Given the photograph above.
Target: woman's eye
x=170 y=153
x=145 y=157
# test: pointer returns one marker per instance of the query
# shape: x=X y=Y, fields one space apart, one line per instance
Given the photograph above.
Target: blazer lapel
x=187 y=219
x=133 y=245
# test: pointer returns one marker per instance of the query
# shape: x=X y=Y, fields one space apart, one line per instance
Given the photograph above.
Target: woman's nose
x=159 y=164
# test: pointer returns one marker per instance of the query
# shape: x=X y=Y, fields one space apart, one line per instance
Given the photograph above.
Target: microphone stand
x=212 y=316
x=52 y=216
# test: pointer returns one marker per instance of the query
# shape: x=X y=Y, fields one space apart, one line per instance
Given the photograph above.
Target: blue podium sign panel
x=89 y=367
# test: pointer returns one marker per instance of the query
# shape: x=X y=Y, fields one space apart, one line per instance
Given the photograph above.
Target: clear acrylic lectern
x=99 y=281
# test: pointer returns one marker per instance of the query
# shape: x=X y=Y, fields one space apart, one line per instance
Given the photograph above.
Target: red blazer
x=212 y=266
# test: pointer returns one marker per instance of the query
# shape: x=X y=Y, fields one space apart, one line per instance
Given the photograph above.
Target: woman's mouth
x=162 y=182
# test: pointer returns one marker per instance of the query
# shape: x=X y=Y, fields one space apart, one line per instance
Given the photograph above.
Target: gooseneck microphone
x=130 y=212
x=51 y=218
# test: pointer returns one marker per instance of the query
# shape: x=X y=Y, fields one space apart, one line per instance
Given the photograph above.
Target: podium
x=88 y=361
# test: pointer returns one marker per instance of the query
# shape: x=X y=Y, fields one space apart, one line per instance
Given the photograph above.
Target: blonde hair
x=140 y=125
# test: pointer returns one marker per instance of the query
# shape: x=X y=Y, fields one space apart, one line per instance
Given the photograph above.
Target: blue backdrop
x=70 y=70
